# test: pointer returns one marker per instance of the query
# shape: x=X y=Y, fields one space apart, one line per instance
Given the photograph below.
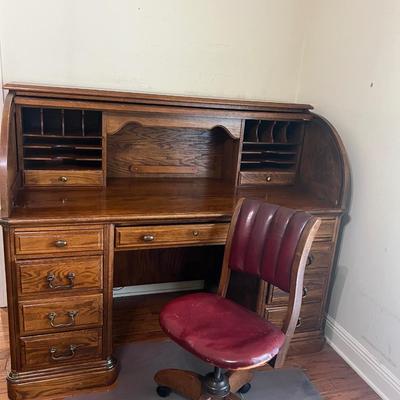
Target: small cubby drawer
x=58 y=240
x=170 y=235
x=52 y=350
x=63 y=178
x=59 y=275
x=60 y=314
x=270 y=178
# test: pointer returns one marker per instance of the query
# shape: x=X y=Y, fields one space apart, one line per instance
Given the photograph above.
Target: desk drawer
x=63 y=178
x=270 y=178
x=313 y=288
x=170 y=235
x=58 y=240
x=310 y=316
x=59 y=274
x=326 y=230
x=59 y=314
x=45 y=351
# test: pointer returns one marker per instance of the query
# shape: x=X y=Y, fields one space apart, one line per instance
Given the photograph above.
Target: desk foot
x=52 y=382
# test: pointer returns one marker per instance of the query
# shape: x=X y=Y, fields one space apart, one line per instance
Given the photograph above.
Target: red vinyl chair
x=264 y=240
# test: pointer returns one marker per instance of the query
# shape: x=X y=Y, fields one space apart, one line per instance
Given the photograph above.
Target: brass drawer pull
x=71 y=314
x=299 y=322
x=310 y=259
x=148 y=238
x=305 y=291
x=60 y=243
x=268 y=178
x=63 y=179
x=195 y=233
x=51 y=277
x=61 y=357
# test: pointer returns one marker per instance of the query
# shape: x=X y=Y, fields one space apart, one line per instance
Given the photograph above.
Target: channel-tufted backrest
x=265 y=241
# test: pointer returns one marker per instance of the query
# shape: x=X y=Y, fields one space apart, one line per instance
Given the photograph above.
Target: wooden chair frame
x=189 y=384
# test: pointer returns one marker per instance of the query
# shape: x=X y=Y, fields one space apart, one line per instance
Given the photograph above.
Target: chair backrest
x=272 y=243
x=265 y=241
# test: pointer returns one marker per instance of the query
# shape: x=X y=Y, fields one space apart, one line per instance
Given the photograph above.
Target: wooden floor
x=334 y=379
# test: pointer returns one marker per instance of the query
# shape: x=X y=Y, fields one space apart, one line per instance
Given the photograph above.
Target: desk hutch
x=101 y=190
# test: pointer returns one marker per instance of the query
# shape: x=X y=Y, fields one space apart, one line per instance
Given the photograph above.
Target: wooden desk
x=104 y=189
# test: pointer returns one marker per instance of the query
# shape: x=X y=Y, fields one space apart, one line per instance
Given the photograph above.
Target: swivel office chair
x=264 y=240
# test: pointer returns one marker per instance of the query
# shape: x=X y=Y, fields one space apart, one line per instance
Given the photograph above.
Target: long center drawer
x=170 y=235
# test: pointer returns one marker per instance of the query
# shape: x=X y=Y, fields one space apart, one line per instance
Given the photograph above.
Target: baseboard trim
x=156 y=288
x=365 y=364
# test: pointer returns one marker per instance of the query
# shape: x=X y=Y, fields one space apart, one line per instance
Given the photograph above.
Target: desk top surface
x=151 y=201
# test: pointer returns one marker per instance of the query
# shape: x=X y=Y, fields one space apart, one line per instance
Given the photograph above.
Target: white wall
x=351 y=74
x=223 y=48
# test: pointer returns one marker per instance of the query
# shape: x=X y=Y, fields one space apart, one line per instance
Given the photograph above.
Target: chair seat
x=220 y=331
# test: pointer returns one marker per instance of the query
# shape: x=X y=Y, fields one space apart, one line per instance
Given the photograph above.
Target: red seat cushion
x=220 y=332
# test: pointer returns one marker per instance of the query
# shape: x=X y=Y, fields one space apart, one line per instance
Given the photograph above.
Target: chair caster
x=245 y=388
x=163 y=391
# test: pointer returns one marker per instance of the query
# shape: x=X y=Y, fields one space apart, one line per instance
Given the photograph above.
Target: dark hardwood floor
x=329 y=373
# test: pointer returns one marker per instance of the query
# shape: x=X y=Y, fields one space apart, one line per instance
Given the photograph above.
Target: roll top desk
x=103 y=190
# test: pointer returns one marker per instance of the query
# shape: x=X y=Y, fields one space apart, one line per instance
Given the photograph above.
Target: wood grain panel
x=63 y=178
x=141 y=152
x=32 y=276
x=170 y=235
x=57 y=240
x=36 y=350
x=34 y=316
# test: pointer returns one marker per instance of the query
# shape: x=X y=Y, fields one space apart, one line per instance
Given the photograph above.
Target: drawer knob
x=268 y=178
x=310 y=260
x=63 y=356
x=195 y=233
x=305 y=291
x=299 y=322
x=148 y=238
x=63 y=179
x=51 y=278
x=71 y=314
x=60 y=243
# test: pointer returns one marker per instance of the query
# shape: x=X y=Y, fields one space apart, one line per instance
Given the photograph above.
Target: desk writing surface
x=151 y=200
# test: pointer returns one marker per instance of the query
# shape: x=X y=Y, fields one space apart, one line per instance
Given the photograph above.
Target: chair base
x=193 y=386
